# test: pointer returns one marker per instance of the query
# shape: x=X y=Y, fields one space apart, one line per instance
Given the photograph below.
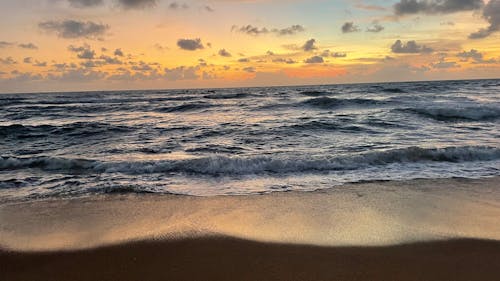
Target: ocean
x=207 y=142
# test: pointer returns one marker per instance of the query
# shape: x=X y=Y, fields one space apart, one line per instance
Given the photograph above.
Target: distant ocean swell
x=223 y=165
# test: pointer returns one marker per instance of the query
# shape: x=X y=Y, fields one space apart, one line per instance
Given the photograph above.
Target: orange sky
x=77 y=45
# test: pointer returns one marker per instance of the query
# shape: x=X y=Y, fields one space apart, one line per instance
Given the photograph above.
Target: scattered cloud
x=83 y=52
x=28 y=60
x=250 y=69
x=309 y=45
x=8 y=61
x=137 y=4
x=85 y=3
x=224 y=53
x=491 y=13
x=71 y=29
x=4 y=44
x=475 y=56
x=208 y=8
x=315 y=59
x=255 y=31
x=244 y=60
x=118 y=53
x=177 y=6
x=410 y=7
x=40 y=64
x=181 y=73
x=349 y=27
x=411 y=47
x=29 y=46
x=375 y=28
x=284 y=60
x=445 y=64
x=190 y=44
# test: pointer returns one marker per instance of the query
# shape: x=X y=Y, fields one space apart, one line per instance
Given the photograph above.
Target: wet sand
x=414 y=230
x=234 y=259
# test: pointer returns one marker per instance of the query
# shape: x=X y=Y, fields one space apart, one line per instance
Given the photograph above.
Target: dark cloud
x=83 y=52
x=182 y=73
x=349 y=27
x=190 y=44
x=177 y=5
x=327 y=53
x=4 y=44
x=411 y=47
x=118 y=53
x=315 y=59
x=444 y=64
x=491 y=13
x=255 y=31
x=475 y=56
x=8 y=61
x=224 y=53
x=250 y=69
x=243 y=60
x=409 y=7
x=28 y=60
x=375 y=28
x=30 y=46
x=110 y=60
x=283 y=60
x=309 y=45
x=72 y=29
x=137 y=4
x=40 y=64
x=85 y=3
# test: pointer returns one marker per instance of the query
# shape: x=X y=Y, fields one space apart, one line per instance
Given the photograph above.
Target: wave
x=72 y=129
x=185 y=107
x=221 y=165
x=328 y=103
x=476 y=113
x=315 y=93
x=228 y=96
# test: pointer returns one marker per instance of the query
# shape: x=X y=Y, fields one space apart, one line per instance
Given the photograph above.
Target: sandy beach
x=413 y=230
x=235 y=259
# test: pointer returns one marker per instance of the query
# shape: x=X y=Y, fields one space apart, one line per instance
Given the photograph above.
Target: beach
x=409 y=230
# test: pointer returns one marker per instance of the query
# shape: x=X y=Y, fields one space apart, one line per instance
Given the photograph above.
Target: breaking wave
x=477 y=113
x=222 y=165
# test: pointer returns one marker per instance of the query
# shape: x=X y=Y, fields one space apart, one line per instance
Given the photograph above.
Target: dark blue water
x=245 y=141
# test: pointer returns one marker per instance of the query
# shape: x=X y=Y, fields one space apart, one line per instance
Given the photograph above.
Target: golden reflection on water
x=366 y=214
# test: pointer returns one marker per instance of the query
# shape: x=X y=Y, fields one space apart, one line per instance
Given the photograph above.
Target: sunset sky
x=79 y=45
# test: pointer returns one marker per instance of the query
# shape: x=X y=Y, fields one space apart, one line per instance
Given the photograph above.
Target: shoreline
x=225 y=258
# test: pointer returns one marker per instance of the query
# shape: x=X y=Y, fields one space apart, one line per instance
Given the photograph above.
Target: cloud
x=409 y=7
x=30 y=46
x=208 y=8
x=283 y=60
x=243 y=60
x=375 y=28
x=475 y=55
x=118 y=53
x=83 y=52
x=368 y=7
x=309 y=45
x=249 y=69
x=349 y=27
x=8 y=61
x=327 y=53
x=255 y=31
x=28 y=60
x=177 y=5
x=224 y=53
x=182 y=73
x=85 y=3
x=411 y=47
x=4 y=44
x=491 y=13
x=190 y=44
x=71 y=29
x=137 y=4
x=315 y=59
x=40 y=64
x=445 y=64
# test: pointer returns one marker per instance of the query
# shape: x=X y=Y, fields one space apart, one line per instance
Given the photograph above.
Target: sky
x=87 y=45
